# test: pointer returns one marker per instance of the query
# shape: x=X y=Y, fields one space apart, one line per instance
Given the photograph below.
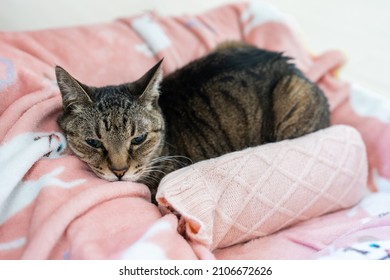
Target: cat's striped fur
x=237 y=96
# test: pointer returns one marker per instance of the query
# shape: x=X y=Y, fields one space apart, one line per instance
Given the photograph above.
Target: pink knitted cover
x=258 y=191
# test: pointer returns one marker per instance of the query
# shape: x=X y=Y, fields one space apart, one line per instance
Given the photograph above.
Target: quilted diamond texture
x=258 y=191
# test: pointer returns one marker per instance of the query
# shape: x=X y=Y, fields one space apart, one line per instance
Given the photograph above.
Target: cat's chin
x=110 y=179
x=105 y=177
x=113 y=178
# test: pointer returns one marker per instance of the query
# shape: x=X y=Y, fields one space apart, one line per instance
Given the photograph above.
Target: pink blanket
x=53 y=207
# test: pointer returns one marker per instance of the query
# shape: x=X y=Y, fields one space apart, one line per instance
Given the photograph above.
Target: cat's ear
x=149 y=83
x=74 y=94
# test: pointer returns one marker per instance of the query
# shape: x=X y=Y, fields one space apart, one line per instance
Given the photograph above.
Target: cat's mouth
x=117 y=176
x=113 y=178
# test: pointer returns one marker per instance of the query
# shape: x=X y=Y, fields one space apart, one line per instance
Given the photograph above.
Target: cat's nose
x=119 y=172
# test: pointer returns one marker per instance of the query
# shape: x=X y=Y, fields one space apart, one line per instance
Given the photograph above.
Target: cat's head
x=116 y=130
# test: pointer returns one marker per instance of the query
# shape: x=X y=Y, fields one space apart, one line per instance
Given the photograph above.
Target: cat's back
x=229 y=63
x=224 y=101
x=239 y=74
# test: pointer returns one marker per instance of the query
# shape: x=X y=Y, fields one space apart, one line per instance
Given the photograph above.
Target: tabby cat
x=235 y=97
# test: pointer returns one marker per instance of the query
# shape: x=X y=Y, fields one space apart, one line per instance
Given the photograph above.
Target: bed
x=322 y=196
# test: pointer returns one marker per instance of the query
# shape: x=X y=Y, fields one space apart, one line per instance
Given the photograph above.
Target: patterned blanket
x=324 y=195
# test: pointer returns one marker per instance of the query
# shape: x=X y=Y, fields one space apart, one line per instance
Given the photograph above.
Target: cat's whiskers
x=164 y=159
x=150 y=175
x=157 y=168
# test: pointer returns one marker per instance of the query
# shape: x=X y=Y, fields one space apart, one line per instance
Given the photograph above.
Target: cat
x=235 y=97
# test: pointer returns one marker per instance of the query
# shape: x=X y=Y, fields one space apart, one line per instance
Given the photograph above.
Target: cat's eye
x=94 y=143
x=139 y=140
